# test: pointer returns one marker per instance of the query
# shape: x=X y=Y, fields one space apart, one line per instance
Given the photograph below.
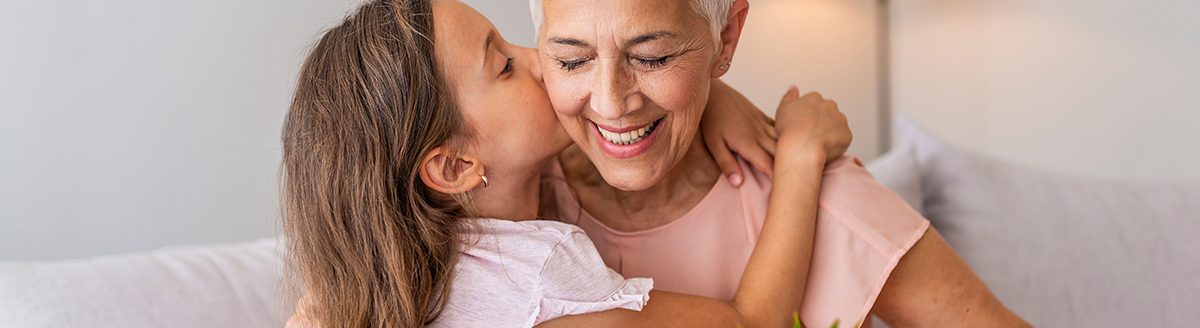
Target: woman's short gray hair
x=716 y=12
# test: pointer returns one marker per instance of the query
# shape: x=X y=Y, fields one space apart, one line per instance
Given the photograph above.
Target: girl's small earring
x=485 y=181
x=725 y=66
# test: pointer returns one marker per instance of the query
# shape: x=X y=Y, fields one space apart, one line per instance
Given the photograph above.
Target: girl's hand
x=811 y=124
x=731 y=124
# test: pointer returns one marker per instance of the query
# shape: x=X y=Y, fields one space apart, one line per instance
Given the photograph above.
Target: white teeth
x=629 y=137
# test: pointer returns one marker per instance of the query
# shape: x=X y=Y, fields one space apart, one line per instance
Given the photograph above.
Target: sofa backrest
x=235 y=285
x=1061 y=251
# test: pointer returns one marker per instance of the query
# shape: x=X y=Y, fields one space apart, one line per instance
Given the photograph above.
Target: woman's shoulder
x=846 y=177
x=846 y=165
x=851 y=195
x=845 y=170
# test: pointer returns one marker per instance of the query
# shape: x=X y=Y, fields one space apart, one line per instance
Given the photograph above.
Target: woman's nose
x=614 y=93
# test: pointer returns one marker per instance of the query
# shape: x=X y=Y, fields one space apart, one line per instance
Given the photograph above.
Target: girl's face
x=498 y=89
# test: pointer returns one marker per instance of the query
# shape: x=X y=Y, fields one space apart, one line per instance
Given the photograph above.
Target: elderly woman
x=629 y=80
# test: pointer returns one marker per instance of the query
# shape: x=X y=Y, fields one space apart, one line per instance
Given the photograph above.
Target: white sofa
x=1061 y=251
x=236 y=285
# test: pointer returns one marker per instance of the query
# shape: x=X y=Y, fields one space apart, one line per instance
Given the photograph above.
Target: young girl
x=413 y=153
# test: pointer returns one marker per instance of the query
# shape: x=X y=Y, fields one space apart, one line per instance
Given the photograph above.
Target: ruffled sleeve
x=576 y=281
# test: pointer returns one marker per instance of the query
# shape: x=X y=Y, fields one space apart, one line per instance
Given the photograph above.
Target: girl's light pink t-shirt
x=863 y=229
x=520 y=274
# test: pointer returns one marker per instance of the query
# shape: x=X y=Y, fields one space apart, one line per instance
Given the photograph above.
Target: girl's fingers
x=727 y=162
x=768 y=145
x=758 y=158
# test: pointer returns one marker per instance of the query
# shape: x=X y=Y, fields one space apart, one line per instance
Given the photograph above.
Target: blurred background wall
x=1104 y=89
x=829 y=46
x=134 y=124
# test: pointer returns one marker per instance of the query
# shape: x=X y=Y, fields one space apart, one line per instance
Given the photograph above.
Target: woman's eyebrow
x=569 y=42
x=649 y=37
x=632 y=41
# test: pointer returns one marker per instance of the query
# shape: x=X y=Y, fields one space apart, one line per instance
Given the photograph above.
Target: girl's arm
x=774 y=280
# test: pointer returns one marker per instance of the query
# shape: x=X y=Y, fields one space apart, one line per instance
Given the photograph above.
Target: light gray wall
x=134 y=124
x=1104 y=89
x=511 y=17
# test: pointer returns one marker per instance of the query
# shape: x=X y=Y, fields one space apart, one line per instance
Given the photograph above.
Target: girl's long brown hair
x=371 y=244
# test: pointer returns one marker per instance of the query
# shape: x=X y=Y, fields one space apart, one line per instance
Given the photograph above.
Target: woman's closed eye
x=572 y=64
x=653 y=62
x=647 y=62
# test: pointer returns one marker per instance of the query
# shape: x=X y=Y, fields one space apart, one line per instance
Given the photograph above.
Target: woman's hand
x=732 y=124
x=811 y=124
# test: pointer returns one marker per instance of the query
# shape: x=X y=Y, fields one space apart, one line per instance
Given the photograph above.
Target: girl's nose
x=532 y=58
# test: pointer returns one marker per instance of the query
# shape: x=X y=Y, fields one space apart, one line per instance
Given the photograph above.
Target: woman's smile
x=626 y=142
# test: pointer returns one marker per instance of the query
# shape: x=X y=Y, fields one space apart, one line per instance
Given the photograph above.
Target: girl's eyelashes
x=508 y=67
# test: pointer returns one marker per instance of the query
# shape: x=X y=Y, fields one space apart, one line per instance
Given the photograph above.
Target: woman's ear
x=730 y=35
x=451 y=173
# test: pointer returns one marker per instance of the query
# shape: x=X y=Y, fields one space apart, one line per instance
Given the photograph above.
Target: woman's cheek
x=676 y=91
x=566 y=94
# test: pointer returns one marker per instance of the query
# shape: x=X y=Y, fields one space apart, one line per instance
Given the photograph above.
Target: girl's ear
x=730 y=35
x=451 y=173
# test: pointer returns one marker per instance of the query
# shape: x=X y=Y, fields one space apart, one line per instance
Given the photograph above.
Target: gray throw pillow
x=1064 y=251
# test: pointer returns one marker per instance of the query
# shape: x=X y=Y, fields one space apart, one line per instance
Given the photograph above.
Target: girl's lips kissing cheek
x=628 y=141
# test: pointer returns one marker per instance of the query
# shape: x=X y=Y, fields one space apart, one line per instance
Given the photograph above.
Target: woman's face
x=629 y=80
x=497 y=89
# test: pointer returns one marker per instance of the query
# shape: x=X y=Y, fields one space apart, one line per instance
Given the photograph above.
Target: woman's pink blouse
x=863 y=229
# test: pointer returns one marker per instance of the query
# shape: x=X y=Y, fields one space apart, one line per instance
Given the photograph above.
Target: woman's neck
x=679 y=191
x=512 y=196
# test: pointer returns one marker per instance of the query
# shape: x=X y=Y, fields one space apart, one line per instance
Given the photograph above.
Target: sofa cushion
x=1064 y=251
x=236 y=285
x=898 y=170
